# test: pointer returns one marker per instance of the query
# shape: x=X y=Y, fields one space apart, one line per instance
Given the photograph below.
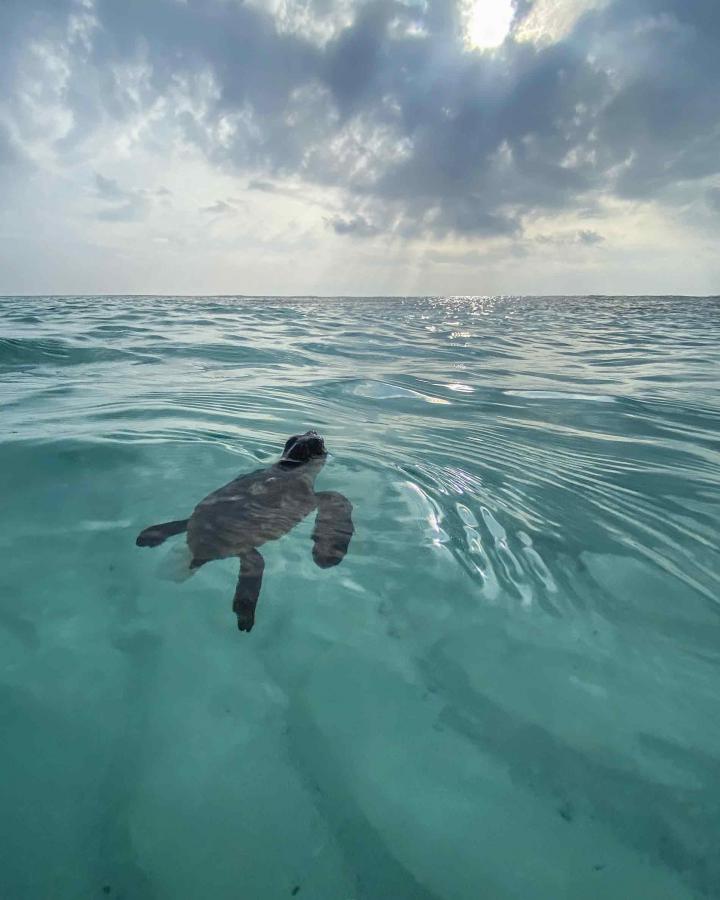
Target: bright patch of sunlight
x=488 y=22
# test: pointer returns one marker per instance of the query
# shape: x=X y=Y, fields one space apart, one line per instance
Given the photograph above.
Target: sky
x=359 y=147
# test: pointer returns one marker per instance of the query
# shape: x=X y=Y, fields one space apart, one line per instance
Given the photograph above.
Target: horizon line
x=355 y=296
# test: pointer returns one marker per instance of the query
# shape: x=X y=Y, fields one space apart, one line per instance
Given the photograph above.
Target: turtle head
x=302 y=448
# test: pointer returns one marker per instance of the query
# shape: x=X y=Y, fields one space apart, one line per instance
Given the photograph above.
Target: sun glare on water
x=488 y=23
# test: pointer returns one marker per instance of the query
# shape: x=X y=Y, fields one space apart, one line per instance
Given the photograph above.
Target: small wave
x=561 y=395
x=51 y=352
x=380 y=390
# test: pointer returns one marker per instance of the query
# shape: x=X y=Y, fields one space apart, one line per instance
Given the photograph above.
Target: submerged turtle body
x=248 y=512
x=263 y=506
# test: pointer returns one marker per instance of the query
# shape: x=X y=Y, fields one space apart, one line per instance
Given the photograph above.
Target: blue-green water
x=510 y=688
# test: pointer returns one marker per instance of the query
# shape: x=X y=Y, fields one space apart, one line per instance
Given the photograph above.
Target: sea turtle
x=263 y=506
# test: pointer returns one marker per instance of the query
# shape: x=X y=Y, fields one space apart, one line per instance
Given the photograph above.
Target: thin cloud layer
x=383 y=105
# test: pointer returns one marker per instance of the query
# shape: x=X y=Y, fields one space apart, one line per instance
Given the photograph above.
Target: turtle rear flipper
x=333 y=528
x=157 y=534
x=248 y=589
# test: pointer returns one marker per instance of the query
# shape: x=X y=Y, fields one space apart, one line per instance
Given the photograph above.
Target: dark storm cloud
x=419 y=133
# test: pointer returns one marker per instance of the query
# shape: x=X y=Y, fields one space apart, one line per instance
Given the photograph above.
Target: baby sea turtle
x=263 y=506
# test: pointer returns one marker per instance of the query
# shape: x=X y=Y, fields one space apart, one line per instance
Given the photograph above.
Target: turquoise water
x=510 y=688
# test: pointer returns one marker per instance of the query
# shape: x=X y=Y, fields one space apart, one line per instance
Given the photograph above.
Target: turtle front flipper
x=157 y=534
x=333 y=528
x=248 y=589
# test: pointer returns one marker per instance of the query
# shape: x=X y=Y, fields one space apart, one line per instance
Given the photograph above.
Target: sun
x=488 y=23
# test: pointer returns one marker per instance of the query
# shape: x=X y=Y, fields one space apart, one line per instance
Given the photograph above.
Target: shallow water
x=510 y=688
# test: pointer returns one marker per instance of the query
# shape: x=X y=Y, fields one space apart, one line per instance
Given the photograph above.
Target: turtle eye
x=289 y=443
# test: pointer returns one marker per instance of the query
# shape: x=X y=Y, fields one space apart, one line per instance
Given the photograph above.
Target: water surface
x=509 y=688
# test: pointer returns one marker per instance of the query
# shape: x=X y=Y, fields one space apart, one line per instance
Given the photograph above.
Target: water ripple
x=535 y=482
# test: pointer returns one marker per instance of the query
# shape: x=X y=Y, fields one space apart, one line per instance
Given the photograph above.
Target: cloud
x=584 y=237
x=8 y=152
x=14 y=164
x=219 y=208
x=659 y=123
x=380 y=102
x=109 y=189
x=121 y=204
x=357 y=225
x=589 y=238
x=257 y=184
x=713 y=199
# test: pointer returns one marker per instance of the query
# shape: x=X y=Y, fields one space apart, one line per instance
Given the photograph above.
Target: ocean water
x=510 y=687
